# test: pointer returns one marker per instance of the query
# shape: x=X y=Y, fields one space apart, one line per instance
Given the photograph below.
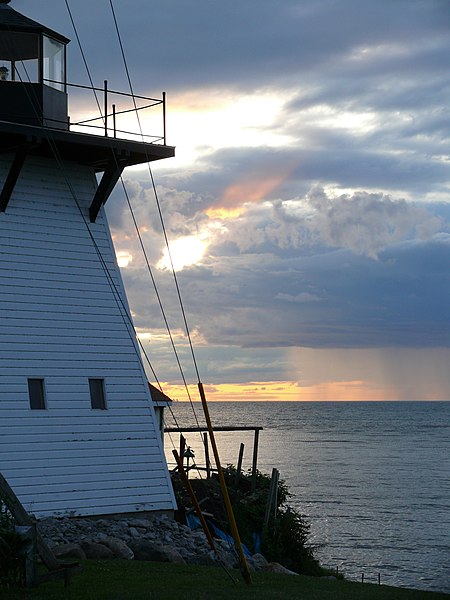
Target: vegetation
x=11 y=550
x=133 y=580
x=284 y=539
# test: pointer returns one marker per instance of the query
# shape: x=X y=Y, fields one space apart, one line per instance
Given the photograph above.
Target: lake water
x=372 y=478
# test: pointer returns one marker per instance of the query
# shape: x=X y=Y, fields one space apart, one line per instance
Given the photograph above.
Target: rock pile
x=158 y=539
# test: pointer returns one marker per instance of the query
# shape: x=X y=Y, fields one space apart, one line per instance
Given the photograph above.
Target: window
x=36 y=393
x=97 y=389
x=54 y=64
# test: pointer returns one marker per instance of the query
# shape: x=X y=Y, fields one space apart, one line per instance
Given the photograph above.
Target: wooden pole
x=237 y=540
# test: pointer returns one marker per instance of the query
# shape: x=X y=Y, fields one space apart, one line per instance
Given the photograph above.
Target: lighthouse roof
x=11 y=20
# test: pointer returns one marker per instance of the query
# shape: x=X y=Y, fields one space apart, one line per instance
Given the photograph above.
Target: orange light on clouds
x=225 y=213
x=249 y=190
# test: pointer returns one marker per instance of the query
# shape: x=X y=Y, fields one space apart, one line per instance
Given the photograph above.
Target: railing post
x=114 y=119
x=105 y=99
x=164 y=116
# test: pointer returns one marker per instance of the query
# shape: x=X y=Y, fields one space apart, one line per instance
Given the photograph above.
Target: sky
x=307 y=207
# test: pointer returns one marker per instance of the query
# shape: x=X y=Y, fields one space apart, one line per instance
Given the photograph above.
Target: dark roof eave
x=91 y=150
x=11 y=20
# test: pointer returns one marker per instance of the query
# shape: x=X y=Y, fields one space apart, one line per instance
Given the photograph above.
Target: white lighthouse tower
x=78 y=433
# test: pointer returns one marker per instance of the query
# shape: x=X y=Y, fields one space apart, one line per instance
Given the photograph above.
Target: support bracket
x=109 y=179
x=14 y=172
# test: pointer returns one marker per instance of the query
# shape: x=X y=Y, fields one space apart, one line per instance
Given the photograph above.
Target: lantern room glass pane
x=54 y=64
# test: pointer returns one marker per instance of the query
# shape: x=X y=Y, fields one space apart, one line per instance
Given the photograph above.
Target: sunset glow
x=285 y=391
x=184 y=251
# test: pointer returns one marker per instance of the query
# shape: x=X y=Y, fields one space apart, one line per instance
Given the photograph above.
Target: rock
x=142 y=523
x=257 y=562
x=149 y=551
x=118 y=548
x=275 y=567
x=69 y=551
x=96 y=551
x=134 y=533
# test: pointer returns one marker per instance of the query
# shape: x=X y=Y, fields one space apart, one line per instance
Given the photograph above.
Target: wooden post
x=255 y=459
x=275 y=493
x=207 y=461
x=29 y=532
x=270 y=497
x=239 y=466
x=182 y=446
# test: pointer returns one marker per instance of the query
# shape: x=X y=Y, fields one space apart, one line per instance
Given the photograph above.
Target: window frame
x=36 y=393
x=97 y=393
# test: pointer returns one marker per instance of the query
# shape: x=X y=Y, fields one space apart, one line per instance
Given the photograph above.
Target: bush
x=12 y=547
x=285 y=540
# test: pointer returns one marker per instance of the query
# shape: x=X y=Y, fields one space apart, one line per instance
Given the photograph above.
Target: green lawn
x=133 y=580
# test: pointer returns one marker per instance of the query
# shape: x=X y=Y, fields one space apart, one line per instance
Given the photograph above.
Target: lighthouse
x=78 y=433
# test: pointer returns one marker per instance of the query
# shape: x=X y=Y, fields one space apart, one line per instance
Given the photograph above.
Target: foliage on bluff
x=283 y=540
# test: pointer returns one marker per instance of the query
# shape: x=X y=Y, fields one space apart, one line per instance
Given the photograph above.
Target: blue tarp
x=194 y=523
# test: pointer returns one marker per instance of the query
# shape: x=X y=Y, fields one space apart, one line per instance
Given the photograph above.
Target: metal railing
x=131 y=109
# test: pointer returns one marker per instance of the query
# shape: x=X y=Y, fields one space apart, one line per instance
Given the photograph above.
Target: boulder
x=257 y=562
x=118 y=548
x=96 y=551
x=65 y=551
x=274 y=567
x=149 y=551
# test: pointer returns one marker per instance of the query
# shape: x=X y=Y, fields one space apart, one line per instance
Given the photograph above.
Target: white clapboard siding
x=65 y=320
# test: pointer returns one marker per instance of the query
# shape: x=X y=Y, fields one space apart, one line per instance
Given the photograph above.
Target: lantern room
x=32 y=71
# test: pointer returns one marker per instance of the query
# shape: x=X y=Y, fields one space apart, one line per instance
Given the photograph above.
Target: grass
x=133 y=580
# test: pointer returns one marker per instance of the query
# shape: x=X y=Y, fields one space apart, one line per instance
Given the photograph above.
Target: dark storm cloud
x=185 y=44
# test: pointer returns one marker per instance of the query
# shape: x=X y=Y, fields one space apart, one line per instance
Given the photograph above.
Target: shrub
x=12 y=547
x=284 y=540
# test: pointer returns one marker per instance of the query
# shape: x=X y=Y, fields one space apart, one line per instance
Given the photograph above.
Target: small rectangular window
x=36 y=393
x=97 y=389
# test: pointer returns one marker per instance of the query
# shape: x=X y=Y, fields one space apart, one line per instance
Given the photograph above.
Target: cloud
x=299 y=298
x=312 y=163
